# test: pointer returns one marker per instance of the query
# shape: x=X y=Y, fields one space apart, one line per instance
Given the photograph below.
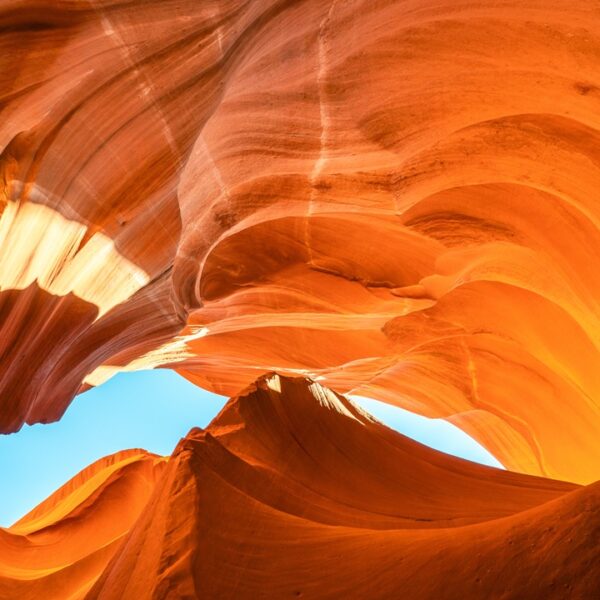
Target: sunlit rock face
x=57 y=550
x=293 y=491
x=395 y=198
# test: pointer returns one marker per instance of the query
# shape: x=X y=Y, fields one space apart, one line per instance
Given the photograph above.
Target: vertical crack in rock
x=145 y=84
x=324 y=120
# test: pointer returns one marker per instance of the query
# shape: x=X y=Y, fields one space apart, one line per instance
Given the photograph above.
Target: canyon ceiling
x=396 y=199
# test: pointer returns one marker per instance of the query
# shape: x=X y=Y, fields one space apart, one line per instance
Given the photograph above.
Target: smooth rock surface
x=398 y=199
x=292 y=491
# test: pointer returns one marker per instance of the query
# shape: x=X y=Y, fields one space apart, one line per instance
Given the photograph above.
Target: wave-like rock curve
x=394 y=198
x=293 y=491
x=58 y=549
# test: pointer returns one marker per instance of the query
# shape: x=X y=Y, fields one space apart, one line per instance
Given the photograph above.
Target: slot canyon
x=291 y=203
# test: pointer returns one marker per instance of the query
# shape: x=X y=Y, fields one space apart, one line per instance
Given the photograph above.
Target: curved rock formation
x=292 y=491
x=394 y=198
x=59 y=548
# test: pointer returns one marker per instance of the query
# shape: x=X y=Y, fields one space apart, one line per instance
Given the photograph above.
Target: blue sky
x=151 y=410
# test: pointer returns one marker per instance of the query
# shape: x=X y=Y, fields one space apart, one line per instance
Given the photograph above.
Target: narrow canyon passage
x=291 y=204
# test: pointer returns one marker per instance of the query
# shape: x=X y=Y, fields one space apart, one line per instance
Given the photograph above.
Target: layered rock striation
x=293 y=491
x=397 y=199
x=59 y=548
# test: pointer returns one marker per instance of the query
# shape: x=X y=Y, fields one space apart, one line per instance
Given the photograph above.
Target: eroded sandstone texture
x=396 y=198
x=292 y=491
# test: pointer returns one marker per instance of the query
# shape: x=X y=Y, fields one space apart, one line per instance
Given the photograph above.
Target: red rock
x=58 y=549
x=293 y=491
x=395 y=198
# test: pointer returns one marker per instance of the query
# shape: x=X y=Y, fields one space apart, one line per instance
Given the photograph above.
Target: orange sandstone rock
x=59 y=548
x=394 y=198
x=293 y=491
